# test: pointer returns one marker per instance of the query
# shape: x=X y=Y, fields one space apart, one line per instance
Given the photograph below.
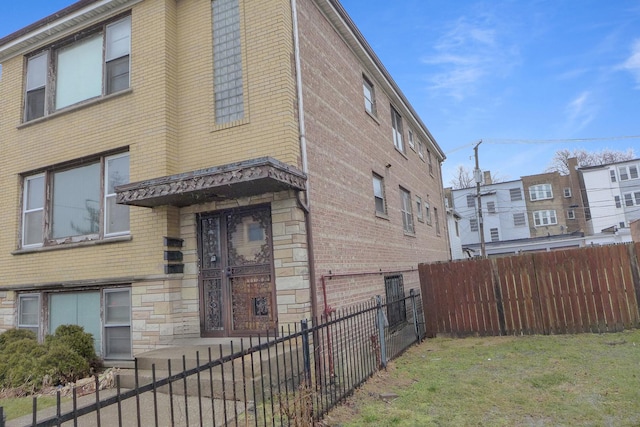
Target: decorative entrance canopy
x=243 y=179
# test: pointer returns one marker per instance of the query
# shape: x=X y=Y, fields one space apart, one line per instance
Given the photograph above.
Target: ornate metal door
x=236 y=277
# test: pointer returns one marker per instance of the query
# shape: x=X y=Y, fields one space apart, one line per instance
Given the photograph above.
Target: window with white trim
x=631 y=199
x=473 y=224
x=412 y=144
x=612 y=174
x=70 y=204
x=567 y=192
x=437 y=220
x=85 y=66
x=419 y=209
x=29 y=312
x=396 y=128
x=571 y=214
x=542 y=218
x=519 y=219
x=540 y=192
x=378 y=194
x=628 y=172
x=369 y=96
x=117 y=323
x=427 y=212
x=495 y=235
x=421 y=149
x=430 y=161
x=617 y=201
x=407 y=212
x=515 y=194
x=491 y=207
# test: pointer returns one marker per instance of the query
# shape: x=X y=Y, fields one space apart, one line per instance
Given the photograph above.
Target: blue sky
x=516 y=74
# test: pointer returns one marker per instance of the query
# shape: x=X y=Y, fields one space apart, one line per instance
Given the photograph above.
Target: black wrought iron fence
x=290 y=379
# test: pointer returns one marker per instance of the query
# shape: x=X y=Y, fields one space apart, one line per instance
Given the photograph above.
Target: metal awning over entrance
x=242 y=179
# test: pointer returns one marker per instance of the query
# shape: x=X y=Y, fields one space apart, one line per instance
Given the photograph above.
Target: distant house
x=613 y=194
x=188 y=169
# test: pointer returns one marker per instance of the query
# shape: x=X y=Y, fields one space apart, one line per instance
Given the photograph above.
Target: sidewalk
x=109 y=415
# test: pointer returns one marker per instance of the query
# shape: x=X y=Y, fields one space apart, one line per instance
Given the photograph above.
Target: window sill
x=62 y=246
x=373 y=116
x=409 y=234
x=382 y=216
x=401 y=153
x=75 y=107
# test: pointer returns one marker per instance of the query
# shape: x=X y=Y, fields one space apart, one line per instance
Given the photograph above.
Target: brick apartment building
x=178 y=170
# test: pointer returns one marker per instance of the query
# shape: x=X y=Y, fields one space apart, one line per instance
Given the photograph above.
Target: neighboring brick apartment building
x=179 y=170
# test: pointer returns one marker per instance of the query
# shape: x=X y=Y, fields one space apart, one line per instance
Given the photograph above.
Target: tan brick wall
x=346 y=146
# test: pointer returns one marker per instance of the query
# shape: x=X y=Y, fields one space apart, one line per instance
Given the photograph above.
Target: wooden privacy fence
x=594 y=289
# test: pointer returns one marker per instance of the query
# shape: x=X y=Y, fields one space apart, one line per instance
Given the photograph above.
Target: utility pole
x=477 y=174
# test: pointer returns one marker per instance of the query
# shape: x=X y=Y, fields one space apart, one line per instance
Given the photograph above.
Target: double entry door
x=236 y=278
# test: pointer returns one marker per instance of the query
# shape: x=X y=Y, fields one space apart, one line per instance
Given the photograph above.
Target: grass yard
x=15 y=407
x=561 y=380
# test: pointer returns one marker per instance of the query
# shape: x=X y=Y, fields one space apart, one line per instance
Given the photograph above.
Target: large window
x=227 y=61
x=628 y=172
x=540 y=192
x=407 y=212
x=84 y=67
x=396 y=126
x=542 y=218
x=378 y=194
x=369 y=96
x=73 y=204
x=631 y=199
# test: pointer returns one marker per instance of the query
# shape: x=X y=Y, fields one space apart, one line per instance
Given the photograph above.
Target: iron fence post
x=412 y=293
x=1 y=416
x=381 y=340
x=305 y=350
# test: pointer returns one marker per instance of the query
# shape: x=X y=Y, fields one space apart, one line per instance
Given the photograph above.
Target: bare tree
x=463 y=178
x=560 y=161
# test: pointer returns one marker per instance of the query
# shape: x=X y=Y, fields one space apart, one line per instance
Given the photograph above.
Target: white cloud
x=580 y=112
x=469 y=52
x=632 y=64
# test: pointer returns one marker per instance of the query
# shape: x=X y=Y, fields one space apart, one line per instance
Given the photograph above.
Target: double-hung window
x=75 y=203
x=427 y=211
x=519 y=219
x=515 y=194
x=632 y=198
x=407 y=212
x=542 y=218
x=78 y=69
x=495 y=235
x=412 y=143
x=419 y=209
x=369 y=96
x=430 y=161
x=378 y=194
x=471 y=201
x=396 y=127
x=540 y=192
x=567 y=192
x=628 y=172
x=473 y=224
x=29 y=312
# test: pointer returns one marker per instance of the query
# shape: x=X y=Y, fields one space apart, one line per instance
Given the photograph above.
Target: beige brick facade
x=166 y=121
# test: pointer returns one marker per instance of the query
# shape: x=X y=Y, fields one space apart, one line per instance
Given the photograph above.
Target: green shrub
x=20 y=365
x=63 y=364
x=75 y=338
x=15 y=335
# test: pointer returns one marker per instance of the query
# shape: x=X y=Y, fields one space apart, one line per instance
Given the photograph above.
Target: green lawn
x=18 y=406
x=562 y=380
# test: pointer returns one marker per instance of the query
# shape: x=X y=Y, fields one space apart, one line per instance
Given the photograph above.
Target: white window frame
x=419 y=208
x=369 y=96
x=379 y=195
x=519 y=219
x=545 y=218
x=628 y=172
x=612 y=175
x=108 y=195
x=427 y=213
x=471 y=201
x=106 y=325
x=618 y=201
x=396 y=129
x=430 y=162
x=407 y=211
x=27 y=211
x=48 y=209
x=491 y=207
x=567 y=192
x=20 y=324
x=571 y=214
x=436 y=218
x=420 y=149
x=52 y=84
x=632 y=198
x=473 y=225
x=540 y=192
x=410 y=139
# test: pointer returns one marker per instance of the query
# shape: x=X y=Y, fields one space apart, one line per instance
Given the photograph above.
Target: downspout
x=305 y=205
